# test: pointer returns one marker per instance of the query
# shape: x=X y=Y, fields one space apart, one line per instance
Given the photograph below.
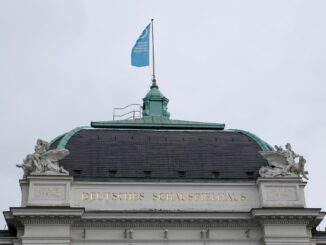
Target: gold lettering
x=243 y=196
x=94 y=195
x=85 y=196
x=191 y=196
x=156 y=197
x=101 y=195
x=180 y=196
x=115 y=196
x=135 y=196
x=220 y=196
x=121 y=196
x=232 y=197
x=128 y=196
x=198 y=197
x=215 y=197
x=209 y=197
x=141 y=196
x=107 y=194
x=163 y=196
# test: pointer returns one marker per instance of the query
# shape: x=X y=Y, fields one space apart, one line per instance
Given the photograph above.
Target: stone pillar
x=46 y=190
x=283 y=216
x=46 y=225
x=291 y=226
x=45 y=214
x=281 y=192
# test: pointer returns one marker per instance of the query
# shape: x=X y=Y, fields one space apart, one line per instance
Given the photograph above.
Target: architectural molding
x=175 y=223
x=45 y=215
x=306 y=216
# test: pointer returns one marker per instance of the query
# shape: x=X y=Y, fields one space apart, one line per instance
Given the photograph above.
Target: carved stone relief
x=283 y=163
x=44 y=161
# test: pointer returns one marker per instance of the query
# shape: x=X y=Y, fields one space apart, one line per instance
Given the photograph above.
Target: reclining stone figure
x=283 y=163
x=44 y=161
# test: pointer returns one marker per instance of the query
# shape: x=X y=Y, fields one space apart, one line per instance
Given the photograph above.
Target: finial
x=154 y=85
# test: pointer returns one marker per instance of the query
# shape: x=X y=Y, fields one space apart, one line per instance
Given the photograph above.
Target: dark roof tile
x=165 y=153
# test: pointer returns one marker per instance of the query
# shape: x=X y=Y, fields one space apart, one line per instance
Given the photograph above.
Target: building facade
x=154 y=180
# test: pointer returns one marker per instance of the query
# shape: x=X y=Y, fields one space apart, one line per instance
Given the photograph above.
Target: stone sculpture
x=44 y=161
x=283 y=163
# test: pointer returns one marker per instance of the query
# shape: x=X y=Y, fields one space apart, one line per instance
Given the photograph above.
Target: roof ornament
x=155 y=104
x=44 y=161
x=283 y=163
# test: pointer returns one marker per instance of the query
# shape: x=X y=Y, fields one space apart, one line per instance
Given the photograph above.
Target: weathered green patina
x=319 y=234
x=155 y=104
x=56 y=138
x=262 y=144
x=156 y=116
x=158 y=123
x=6 y=233
x=65 y=139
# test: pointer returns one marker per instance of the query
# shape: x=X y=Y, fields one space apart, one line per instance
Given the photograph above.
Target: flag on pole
x=140 y=51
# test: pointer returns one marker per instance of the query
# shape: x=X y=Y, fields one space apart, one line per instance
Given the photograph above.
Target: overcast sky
x=254 y=65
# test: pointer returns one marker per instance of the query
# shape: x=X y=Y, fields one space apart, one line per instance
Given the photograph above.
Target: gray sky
x=254 y=65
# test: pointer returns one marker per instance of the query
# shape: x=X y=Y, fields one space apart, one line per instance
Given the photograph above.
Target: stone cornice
x=308 y=216
x=161 y=223
x=47 y=220
x=165 y=219
x=47 y=211
x=256 y=212
x=282 y=180
x=164 y=215
x=43 y=215
x=7 y=240
x=79 y=218
x=48 y=177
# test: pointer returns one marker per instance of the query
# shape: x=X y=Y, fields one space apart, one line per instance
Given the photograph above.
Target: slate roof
x=159 y=154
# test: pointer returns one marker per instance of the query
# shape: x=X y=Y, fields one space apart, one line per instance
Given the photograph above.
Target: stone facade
x=154 y=180
x=60 y=210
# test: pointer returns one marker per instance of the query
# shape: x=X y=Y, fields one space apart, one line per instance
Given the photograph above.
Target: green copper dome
x=154 y=92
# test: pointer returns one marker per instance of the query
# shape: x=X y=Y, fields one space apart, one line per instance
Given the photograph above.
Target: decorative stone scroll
x=283 y=163
x=44 y=161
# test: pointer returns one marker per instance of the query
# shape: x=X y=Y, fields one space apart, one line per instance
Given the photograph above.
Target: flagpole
x=153 y=56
